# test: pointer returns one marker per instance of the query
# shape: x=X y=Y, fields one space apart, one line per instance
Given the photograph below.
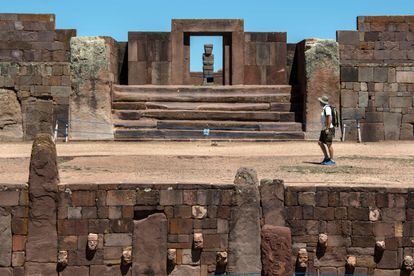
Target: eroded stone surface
x=43 y=181
x=11 y=124
x=90 y=102
x=150 y=246
x=276 y=250
x=5 y=238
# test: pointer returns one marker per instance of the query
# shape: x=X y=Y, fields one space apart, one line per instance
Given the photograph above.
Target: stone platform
x=187 y=112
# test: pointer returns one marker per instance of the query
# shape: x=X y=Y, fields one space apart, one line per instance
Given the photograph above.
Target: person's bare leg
x=331 y=151
x=325 y=153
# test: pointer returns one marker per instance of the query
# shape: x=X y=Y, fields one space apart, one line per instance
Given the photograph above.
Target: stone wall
x=34 y=65
x=94 y=68
x=377 y=77
x=265 y=58
x=149 y=58
x=354 y=219
x=14 y=213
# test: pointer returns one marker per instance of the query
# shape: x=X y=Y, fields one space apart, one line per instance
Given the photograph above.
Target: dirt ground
x=390 y=163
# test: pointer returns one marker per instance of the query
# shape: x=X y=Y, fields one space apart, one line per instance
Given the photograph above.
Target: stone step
x=151 y=134
x=201 y=106
x=213 y=125
x=205 y=115
x=230 y=97
x=249 y=89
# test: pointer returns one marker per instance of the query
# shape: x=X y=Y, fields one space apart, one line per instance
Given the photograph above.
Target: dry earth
x=390 y=163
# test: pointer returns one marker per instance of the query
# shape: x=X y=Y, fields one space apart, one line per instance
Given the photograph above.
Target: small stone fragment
x=198 y=241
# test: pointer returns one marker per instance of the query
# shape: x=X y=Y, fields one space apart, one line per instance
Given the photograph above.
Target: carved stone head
x=198 y=241
x=221 y=258
x=380 y=246
x=127 y=255
x=323 y=240
x=62 y=258
x=208 y=49
x=303 y=258
x=92 y=242
x=351 y=261
x=408 y=263
x=172 y=256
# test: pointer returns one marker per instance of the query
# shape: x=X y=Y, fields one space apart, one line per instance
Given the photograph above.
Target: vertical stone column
x=321 y=68
x=41 y=248
x=244 y=225
x=94 y=69
x=272 y=197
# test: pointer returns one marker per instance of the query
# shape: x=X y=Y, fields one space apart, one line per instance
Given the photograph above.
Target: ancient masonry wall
x=377 y=77
x=34 y=75
x=265 y=58
x=200 y=229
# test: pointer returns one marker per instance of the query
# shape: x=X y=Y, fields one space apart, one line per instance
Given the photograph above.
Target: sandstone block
x=349 y=74
x=121 y=197
x=11 y=122
x=5 y=239
x=9 y=198
x=347 y=37
x=118 y=239
x=405 y=77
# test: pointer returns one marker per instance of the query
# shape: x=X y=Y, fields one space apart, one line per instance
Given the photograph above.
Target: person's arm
x=328 y=118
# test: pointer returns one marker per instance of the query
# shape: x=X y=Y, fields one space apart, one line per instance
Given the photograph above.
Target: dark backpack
x=335 y=116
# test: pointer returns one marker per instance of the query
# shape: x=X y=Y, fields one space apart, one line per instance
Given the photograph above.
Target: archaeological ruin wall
x=34 y=75
x=269 y=227
x=377 y=77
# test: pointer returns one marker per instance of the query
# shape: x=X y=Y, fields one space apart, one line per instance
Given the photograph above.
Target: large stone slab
x=186 y=270
x=244 y=226
x=322 y=73
x=93 y=70
x=11 y=127
x=272 y=201
x=41 y=244
x=5 y=238
x=276 y=250
x=150 y=246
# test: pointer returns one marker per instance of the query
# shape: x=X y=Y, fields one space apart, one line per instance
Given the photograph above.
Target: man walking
x=327 y=133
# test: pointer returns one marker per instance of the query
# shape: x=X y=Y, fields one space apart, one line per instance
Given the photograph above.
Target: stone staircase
x=196 y=112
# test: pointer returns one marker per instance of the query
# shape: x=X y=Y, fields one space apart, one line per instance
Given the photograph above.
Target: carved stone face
x=63 y=258
x=198 y=241
x=351 y=261
x=221 y=258
x=380 y=245
x=303 y=258
x=172 y=256
x=208 y=49
x=323 y=240
x=127 y=256
x=92 y=242
x=408 y=263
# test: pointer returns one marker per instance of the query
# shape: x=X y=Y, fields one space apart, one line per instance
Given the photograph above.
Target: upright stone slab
x=244 y=225
x=41 y=247
x=150 y=246
x=11 y=126
x=93 y=71
x=276 y=250
x=5 y=238
x=321 y=62
x=272 y=201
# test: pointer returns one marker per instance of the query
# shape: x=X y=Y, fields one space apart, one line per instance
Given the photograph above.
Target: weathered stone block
x=349 y=74
x=365 y=74
x=121 y=197
x=5 y=239
x=380 y=74
x=347 y=37
x=276 y=250
x=171 y=197
x=11 y=122
x=349 y=99
x=150 y=244
x=405 y=77
x=392 y=123
x=118 y=239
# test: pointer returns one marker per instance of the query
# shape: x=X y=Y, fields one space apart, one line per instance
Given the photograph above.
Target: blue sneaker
x=324 y=161
x=330 y=163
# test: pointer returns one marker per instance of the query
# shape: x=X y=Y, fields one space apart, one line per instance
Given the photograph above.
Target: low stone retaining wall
x=50 y=228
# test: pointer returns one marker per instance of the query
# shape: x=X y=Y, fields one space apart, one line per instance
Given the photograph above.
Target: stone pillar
x=5 y=238
x=41 y=247
x=94 y=67
x=321 y=68
x=150 y=246
x=244 y=225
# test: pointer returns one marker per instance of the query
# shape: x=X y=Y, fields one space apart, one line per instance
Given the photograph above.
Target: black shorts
x=326 y=138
